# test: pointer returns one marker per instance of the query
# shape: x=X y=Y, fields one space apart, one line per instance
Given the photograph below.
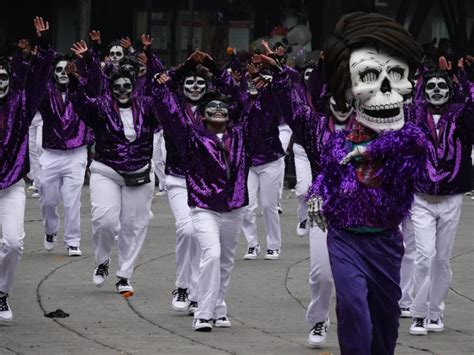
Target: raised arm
x=88 y=68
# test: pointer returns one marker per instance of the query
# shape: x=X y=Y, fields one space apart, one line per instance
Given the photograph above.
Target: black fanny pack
x=137 y=179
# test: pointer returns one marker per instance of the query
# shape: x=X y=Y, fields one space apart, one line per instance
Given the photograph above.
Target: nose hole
x=386 y=86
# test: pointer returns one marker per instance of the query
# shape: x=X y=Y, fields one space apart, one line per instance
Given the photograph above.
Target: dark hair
x=60 y=57
x=130 y=60
x=211 y=96
x=359 y=29
x=442 y=74
x=122 y=73
x=5 y=64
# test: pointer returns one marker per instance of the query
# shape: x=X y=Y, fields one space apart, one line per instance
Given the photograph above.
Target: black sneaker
x=318 y=334
x=6 y=314
x=50 y=241
x=180 y=302
x=193 y=306
x=301 y=228
x=100 y=273
x=202 y=325
x=124 y=287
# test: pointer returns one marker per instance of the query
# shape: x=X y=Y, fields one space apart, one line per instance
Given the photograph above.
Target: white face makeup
x=115 y=54
x=216 y=111
x=339 y=115
x=122 y=90
x=60 y=73
x=437 y=91
x=4 y=83
x=379 y=84
x=194 y=87
x=307 y=74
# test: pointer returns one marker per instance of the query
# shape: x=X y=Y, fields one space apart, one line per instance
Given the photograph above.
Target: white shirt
x=339 y=127
x=220 y=135
x=126 y=115
x=436 y=120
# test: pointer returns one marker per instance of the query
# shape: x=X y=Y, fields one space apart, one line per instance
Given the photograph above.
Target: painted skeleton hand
x=315 y=213
x=356 y=152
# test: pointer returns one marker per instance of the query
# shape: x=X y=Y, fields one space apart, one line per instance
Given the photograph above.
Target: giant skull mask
x=437 y=91
x=379 y=84
x=122 y=89
x=115 y=54
x=60 y=73
x=194 y=87
x=4 y=83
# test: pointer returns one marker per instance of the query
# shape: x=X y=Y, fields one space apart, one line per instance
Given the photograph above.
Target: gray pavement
x=267 y=299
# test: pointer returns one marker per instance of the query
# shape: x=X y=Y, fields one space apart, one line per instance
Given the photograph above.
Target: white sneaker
x=50 y=241
x=202 y=325
x=180 y=301
x=161 y=193
x=222 y=322
x=32 y=187
x=100 y=273
x=435 y=325
x=318 y=335
x=272 y=254
x=302 y=228
x=74 y=251
x=124 y=287
x=35 y=194
x=419 y=327
x=252 y=252
x=6 y=314
x=405 y=312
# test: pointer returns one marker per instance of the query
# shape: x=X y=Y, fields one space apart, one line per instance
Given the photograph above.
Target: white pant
x=320 y=277
x=188 y=252
x=303 y=180
x=217 y=234
x=435 y=225
x=12 y=217
x=408 y=263
x=35 y=137
x=159 y=158
x=285 y=136
x=263 y=184
x=62 y=176
x=122 y=210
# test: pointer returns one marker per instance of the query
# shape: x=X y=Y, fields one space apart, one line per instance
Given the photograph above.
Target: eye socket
x=430 y=86
x=59 y=69
x=443 y=85
x=369 y=75
x=200 y=82
x=127 y=86
x=116 y=87
x=3 y=77
x=189 y=82
x=396 y=74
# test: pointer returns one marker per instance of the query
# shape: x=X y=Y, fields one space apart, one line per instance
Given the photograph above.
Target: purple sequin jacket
x=103 y=116
x=17 y=109
x=216 y=171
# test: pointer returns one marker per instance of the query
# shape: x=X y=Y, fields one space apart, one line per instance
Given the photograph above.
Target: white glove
x=356 y=152
x=315 y=213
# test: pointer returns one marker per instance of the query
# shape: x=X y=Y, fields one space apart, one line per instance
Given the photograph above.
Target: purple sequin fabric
x=348 y=203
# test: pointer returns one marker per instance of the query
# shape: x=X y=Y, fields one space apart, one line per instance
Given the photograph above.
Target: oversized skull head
x=115 y=54
x=379 y=84
x=437 y=91
x=307 y=74
x=340 y=116
x=216 y=111
x=194 y=87
x=4 y=82
x=122 y=88
x=60 y=73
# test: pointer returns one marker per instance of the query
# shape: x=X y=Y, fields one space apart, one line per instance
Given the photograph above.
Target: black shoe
x=100 y=273
x=124 y=287
x=6 y=314
x=193 y=306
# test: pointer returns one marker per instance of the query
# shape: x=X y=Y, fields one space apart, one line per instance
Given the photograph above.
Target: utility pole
x=84 y=18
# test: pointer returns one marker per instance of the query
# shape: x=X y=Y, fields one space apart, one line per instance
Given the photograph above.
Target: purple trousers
x=366 y=271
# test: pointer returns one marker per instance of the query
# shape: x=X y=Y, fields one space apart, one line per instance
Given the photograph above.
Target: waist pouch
x=137 y=179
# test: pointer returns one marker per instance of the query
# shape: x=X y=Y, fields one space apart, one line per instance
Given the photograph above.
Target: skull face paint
x=115 y=54
x=4 y=83
x=379 y=84
x=437 y=91
x=216 y=111
x=60 y=73
x=122 y=89
x=307 y=74
x=339 y=115
x=194 y=87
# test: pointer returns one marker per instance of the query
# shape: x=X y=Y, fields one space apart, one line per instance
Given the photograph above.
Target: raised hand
x=252 y=70
x=162 y=78
x=146 y=41
x=268 y=60
x=142 y=58
x=315 y=213
x=126 y=42
x=71 y=68
x=461 y=64
x=41 y=26
x=95 y=36
x=443 y=64
x=356 y=152
x=79 y=48
x=266 y=46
